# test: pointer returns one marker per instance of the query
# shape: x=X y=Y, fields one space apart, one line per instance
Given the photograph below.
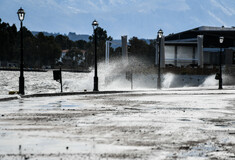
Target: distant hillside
x=72 y=35
x=46 y=33
x=75 y=37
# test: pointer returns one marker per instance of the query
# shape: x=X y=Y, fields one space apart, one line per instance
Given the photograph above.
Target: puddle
x=180 y=108
x=11 y=144
x=184 y=120
x=200 y=150
x=221 y=125
x=70 y=106
x=60 y=104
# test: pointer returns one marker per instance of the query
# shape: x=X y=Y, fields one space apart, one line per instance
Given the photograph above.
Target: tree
x=49 y=51
x=38 y=51
x=8 y=35
x=115 y=54
x=142 y=50
x=102 y=37
x=81 y=44
x=74 y=55
x=64 y=42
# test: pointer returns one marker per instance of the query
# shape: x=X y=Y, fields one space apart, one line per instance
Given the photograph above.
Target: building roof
x=211 y=36
x=65 y=51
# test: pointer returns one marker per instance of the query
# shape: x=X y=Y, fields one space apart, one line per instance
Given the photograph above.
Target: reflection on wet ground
x=120 y=126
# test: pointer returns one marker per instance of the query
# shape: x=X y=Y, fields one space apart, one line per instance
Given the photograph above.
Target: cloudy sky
x=141 y=18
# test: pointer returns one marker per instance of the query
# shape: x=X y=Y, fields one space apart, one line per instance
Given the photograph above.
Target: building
x=63 y=54
x=198 y=47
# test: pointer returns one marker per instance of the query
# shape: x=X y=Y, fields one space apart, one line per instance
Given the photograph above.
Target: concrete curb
x=112 y=92
x=8 y=99
x=61 y=94
x=71 y=93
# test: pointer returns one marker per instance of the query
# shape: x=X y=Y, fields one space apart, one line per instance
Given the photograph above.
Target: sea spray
x=111 y=77
x=75 y=82
x=168 y=80
x=209 y=81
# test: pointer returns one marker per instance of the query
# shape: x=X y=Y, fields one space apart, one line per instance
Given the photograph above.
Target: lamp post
x=221 y=40
x=95 y=26
x=160 y=34
x=21 y=15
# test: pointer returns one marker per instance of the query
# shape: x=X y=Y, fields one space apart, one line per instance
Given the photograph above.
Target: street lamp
x=160 y=34
x=21 y=15
x=221 y=40
x=95 y=26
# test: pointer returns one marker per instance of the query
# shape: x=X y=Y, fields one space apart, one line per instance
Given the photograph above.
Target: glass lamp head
x=95 y=24
x=21 y=14
x=160 y=33
x=221 y=39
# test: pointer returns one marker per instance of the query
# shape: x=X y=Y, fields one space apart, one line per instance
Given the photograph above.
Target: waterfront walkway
x=183 y=123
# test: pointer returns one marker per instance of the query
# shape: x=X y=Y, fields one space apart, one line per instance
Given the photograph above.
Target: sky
x=140 y=18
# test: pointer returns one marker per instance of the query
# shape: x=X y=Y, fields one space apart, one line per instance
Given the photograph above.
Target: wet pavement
x=168 y=124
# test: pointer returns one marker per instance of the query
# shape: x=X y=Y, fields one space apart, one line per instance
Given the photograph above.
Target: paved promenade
x=186 y=123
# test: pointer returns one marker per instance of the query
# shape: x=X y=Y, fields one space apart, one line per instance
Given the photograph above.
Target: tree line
x=41 y=50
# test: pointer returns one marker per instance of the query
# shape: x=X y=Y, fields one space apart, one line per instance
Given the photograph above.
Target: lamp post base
x=159 y=83
x=220 y=84
x=95 y=84
x=21 y=85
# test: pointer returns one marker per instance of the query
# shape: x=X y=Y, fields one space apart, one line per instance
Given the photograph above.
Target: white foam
x=111 y=77
x=210 y=81
x=167 y=80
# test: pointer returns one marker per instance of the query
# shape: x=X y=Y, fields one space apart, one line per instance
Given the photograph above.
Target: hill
x=72 y=35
